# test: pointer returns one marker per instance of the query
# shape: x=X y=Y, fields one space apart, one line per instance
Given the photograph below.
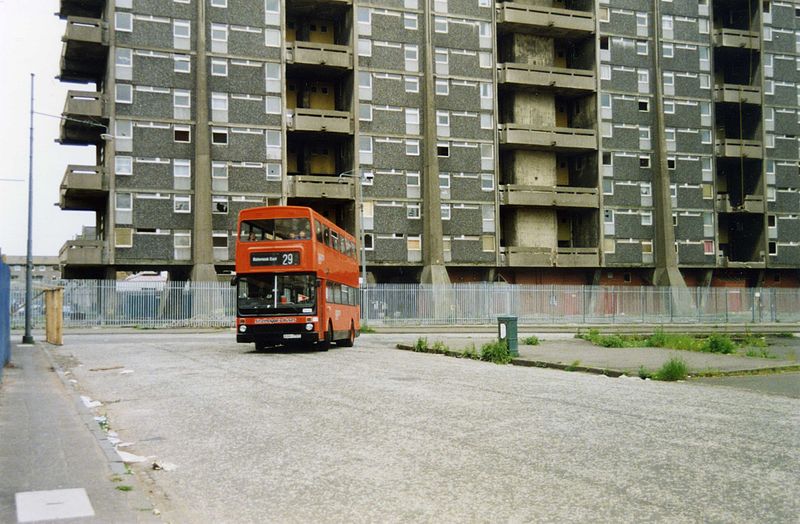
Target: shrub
x=657 y=339
x=470 y=352
x=531 y=341
x=644 y=373
x=421 y=344
x=759 y=353
x=673 y=369
x=496 y=352
x=719 y=344
x=611 y=341
x=440 y=347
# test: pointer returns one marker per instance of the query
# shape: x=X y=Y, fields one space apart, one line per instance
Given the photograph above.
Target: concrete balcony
x=554 y=196
x=724 y=262
x=517 y=256
x=82 y=253
x=577 y=257
x=737 y=38
x=319 y=121
x=557 y=79
x=86 y=8
x=545 y=21
x=328 y=187
x=548 y=138
x=751 y=204
x=83 y=188
x=736 y=148
x=85 y=49
x=734 y=94
x=84 y=118
x=316 y=55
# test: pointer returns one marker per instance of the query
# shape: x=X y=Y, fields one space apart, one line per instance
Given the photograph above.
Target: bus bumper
x=283 y=334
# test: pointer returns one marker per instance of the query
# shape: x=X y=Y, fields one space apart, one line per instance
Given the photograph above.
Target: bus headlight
x=309 y=327
x=242 y=328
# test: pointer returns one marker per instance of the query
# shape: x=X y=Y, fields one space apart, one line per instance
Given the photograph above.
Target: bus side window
x=326 y=235
x=318 y=230
x=328 y=292
x=335 y=240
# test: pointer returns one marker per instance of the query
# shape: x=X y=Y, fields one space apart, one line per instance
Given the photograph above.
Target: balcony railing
x=549 y=21
x=83 y=188
x=82 y=253
x=734 y=94
x=554 y=138
x=735 y=147
x=310 y=53
x=549 y=196
x=751 y=204
x=317 y=120
x=555 y=78
x=737 y=38
x=516 y=256
x=312 y=186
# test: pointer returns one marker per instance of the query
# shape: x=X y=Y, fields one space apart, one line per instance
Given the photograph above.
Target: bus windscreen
x=275 y=229
x=281 y=293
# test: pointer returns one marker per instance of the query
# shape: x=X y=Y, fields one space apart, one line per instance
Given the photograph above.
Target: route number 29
x=287 y=259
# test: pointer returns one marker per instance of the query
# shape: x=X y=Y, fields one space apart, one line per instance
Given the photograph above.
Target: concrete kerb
x=115 y=462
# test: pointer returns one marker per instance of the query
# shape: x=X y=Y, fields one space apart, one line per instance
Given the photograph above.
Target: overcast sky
x=30 y=42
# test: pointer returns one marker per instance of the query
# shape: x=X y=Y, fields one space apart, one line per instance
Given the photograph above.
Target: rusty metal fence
x=90 y=303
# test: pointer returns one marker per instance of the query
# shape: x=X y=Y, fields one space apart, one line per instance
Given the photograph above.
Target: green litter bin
x=507 y=331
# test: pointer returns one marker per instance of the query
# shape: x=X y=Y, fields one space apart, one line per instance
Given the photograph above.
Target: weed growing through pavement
x=421 y=344
x=644 y=373
x=573 y=366
x=496 y=352
x=531 y=340
x=366 y=329
x=673 y=369
x=470 y=352
x=124 y=488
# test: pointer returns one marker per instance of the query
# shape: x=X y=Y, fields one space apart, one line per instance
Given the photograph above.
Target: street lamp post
x=27 y=338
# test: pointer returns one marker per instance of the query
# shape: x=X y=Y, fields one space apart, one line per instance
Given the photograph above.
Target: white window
x=485 y=60
x=219 y=241
x=182 y=63
x=703 y=26
x=412 y=211
x=182 y=244
x=487 y=157
x=364 y=85
x=412 y=121
x=274 y=172
x=364 y=47
x=219 y=205
x=487 y=122
x=181 y=34
x=605 y=105
x=124 y=94
x=705 y=61
x=365 y=112
x=443 y=123
x=123 y=21
x=219 y=38
x=441 y=57
x=605 y=72
x=182 y=204
x=410 y=21
x=219 y=136
x=365 y=149
x=641 y=47
x=411 y=57
x=182 y=174
x=487 y=96
x=442 y=87
x=643 y=77
x=705 y=81
x=641 y=24
x=411 y=84
x=219 y=67
x=668 y=50
x=446 y=211
x=182 y=134
x=272 y=12
x=487 y=218
x=219 y=3
x=705 y=136
x=123 y=237
x=440 y=24
x=182 y=104
x=219 y=107
x=219 y=176
x=272 y=73
x=412 y=147
x=669 y=83
x=274 y=144
x=123 y=135
x=487 y=182
x=124 y=63
x=272 y=105
x=123 y=208
x=123 y=165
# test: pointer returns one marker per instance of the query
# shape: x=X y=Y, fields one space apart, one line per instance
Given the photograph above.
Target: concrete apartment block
x=617 y=141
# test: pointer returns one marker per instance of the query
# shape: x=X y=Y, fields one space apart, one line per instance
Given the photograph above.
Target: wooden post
x=54 y=318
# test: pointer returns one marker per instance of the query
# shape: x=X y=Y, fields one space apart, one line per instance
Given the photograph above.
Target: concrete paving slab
x=54 y=504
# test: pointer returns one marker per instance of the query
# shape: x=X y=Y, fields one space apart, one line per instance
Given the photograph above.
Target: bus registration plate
x=292 y=335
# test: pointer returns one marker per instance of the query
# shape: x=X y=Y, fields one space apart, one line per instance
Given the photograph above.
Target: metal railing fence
x=212 y=304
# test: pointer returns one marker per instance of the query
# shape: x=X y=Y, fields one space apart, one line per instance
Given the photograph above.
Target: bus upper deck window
x=318 y=229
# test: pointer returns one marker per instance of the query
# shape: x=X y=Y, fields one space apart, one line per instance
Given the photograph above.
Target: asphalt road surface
x=371 y=434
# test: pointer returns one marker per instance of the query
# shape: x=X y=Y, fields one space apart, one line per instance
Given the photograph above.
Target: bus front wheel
x=325 y=343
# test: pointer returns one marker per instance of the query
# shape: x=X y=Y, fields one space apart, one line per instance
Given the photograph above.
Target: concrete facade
x=536 y=137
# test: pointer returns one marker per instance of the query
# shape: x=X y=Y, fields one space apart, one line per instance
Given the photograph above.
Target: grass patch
x=573 y=366
x=759 y=353
x=496 y=352
x=644 y=373
x=470 y=352
x=716 y=343
x=124 y=487
x=421 y=344
x=440 y=347
x=719 y=344
x=673 y=369
x=531 y=340
x=366 y=329
x=784 y=335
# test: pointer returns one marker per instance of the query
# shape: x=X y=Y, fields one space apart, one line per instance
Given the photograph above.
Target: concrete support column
x=434 y=270
x=202 y=246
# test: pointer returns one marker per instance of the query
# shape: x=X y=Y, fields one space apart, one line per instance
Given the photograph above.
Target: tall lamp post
x=358 y=178
x=27 y=338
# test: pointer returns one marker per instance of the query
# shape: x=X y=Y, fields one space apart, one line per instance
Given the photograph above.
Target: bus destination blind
x=276 y=258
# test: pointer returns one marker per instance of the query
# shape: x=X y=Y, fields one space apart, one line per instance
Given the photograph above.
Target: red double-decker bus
x=296 y=279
